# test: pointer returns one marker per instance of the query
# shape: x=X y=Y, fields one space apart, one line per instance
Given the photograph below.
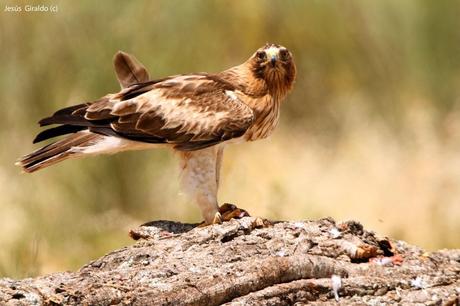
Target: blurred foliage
x=372 y=126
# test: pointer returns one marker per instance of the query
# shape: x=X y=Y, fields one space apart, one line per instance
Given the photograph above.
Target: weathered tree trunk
x=251 y=262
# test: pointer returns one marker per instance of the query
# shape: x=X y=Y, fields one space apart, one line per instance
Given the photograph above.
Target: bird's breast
x=267 y=113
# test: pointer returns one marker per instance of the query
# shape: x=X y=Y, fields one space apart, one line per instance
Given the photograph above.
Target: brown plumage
x=194 y=113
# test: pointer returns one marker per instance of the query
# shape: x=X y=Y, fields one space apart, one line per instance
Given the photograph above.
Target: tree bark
x=251 y=261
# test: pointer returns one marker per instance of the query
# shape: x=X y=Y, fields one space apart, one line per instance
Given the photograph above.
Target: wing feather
x=129 y=70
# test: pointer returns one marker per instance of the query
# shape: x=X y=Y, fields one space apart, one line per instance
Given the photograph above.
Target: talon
x=217 y=218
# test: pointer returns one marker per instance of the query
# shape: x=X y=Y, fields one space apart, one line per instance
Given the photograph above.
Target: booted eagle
x=195 y=114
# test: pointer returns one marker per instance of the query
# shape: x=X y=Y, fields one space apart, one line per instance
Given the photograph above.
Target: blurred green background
x=371 y=131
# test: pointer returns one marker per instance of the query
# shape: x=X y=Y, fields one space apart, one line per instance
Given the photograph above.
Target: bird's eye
x=261 y=55
x=284 y=54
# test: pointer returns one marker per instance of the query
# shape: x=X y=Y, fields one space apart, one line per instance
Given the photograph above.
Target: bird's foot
x=226 y=213
x=217 y=220
x=230 y=211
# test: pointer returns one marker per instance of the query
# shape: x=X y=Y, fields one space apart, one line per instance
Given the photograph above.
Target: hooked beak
x=272 y=53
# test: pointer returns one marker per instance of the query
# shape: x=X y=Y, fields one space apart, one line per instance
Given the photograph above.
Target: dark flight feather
x=57 y=131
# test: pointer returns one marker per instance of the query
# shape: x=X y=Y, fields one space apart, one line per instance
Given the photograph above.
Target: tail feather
x=57 y=151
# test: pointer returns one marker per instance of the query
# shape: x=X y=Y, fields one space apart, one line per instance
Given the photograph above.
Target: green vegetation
x=371 y=131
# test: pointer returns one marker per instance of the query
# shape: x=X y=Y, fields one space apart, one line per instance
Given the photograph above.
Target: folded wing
x=191 y=112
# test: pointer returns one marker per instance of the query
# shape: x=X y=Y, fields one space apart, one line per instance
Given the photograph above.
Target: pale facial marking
x=272 y=52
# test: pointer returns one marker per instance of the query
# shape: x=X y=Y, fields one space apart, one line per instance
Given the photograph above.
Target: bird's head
x=275 y=65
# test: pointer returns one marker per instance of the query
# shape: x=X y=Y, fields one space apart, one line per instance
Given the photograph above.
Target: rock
x=250 y=261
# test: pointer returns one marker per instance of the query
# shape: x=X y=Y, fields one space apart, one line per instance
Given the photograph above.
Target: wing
x=129 y=70
x=191 y=112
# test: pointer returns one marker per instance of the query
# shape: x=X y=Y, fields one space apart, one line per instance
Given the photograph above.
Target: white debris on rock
x=418 y=283
x=384 y=261
x=336 y=285
x=335 y=232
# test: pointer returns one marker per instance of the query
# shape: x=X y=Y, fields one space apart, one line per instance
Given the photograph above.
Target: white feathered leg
x=199 y=180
